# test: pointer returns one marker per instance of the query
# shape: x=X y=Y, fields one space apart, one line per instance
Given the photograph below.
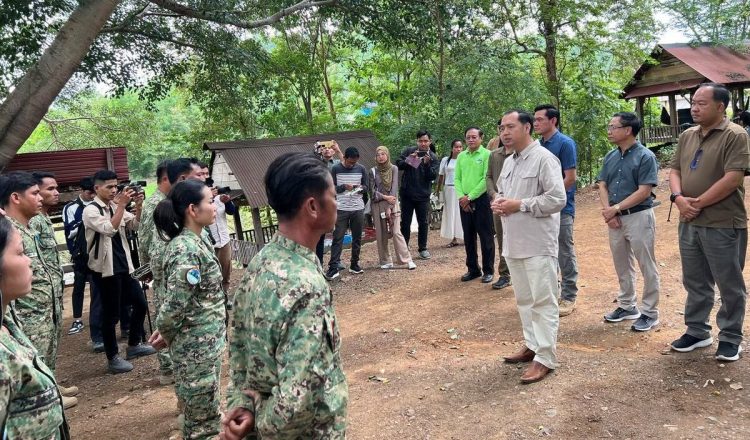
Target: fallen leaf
x=708 y=381
x=454 y=336
x=379 y=379
x=396 y=330
x=736 y=386
x=690 y=373
x=121 y=400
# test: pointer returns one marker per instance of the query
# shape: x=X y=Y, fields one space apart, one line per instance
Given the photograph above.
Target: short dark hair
x=720 y=93
x=202 y=164
x=102 y=176
x=745 y=117
x=351 y=153
x=39 y=176
x=87 y=184
x=524 y=117
x=177 y=168
x=550 y=112
x=161 y=169
x=629 y=119
x=481 y=133
x=291 y=178
x=14 y=182
x=198 y=162
x=421 y=133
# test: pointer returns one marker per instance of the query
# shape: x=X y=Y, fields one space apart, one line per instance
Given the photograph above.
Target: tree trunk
x=27 y=104
x=324 y=52
x=437 y=16
x=549 y=32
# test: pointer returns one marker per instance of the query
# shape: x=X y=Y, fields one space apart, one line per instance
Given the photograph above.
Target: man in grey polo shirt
x=530 y=196
x=706 y=180
x=626 y=180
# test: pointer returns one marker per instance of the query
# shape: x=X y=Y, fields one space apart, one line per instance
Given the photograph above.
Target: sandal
x=451 y=244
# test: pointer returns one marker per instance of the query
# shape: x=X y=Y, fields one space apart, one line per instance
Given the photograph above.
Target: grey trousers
x=631 y=243
x=713 y=256
x=355 y=221
x=566 y=256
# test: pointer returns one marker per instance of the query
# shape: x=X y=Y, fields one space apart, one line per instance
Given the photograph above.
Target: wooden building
x=677 y=70
x=241 y=165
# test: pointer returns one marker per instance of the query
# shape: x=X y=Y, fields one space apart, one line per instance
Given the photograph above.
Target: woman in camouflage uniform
x=30 y=404
x=191 y=317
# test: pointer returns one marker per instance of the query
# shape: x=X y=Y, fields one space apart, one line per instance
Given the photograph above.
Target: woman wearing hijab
x=386 y=213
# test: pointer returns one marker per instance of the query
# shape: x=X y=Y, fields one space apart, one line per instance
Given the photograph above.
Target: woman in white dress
x=450 y=227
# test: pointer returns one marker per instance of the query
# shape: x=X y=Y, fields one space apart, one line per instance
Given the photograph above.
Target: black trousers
x=112 y=290
x=320 y=248
x=479 y=222
x=353 y=220
x=408 y=208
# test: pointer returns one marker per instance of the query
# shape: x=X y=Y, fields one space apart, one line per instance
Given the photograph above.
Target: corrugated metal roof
x=705 y=63
x=249 y=159
x=70 y=166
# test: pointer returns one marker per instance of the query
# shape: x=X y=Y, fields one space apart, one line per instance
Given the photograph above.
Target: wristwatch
x=617 y=207
x=674 y=196
x=523 y=207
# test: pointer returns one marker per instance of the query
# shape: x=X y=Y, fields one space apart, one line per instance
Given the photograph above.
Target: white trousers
x=535 y=286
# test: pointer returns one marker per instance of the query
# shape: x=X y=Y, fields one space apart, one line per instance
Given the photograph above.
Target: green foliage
x=712 y=21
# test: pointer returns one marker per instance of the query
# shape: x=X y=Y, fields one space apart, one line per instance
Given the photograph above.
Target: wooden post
x=258 y=228
x=741 y=93
x=238 y=225
x=673 y=117
x=639 y=111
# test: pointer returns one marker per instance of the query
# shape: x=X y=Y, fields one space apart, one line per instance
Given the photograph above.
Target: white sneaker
x=387 y=266
x=412 y=266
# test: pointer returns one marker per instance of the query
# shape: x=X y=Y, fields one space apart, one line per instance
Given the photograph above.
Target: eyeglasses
x=696 y=159
x=615 y=127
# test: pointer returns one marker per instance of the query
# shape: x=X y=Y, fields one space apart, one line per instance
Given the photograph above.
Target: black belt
x=634 y=209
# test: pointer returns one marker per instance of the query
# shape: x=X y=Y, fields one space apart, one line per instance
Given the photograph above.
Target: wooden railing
x=249 y=234
x=663 y=134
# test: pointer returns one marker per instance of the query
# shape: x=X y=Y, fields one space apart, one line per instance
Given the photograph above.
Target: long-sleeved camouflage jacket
x=193 y=302
x=285 y=345
x=30 y=404
x=40 y=310
x=42 y=224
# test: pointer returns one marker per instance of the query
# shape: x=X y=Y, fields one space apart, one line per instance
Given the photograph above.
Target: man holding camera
x=220 y=232
x=106 y=222
x=420 y=167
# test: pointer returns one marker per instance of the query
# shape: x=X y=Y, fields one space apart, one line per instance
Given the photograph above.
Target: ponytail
x=169 y=215
x=168 y=223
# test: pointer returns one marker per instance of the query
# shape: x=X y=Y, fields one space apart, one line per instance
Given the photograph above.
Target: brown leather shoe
x=524 y=355
x=534 y=373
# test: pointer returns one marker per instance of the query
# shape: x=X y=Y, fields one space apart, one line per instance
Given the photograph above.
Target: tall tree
x=712 y=21
x=161 y=25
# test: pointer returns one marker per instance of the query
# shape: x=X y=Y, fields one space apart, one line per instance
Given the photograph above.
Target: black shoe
x=139 y=350
x=98 y=347
x=502 y=283
x=468 y=276
x=488 y=278
x=76 y=327
x=354 y=268
x=728 y=351
x=688 y=343
x=332 y=274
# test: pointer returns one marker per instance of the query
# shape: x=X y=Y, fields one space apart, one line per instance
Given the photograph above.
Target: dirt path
x=422 y=353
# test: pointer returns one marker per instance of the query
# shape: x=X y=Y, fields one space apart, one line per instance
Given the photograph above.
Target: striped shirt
x=350 y=200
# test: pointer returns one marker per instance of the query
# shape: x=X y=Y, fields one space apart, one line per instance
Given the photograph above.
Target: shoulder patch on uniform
x=193 y=276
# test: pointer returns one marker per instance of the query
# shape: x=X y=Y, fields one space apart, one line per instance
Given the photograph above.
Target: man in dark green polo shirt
x=476 y=215
x=706 y=180
x=497 y=160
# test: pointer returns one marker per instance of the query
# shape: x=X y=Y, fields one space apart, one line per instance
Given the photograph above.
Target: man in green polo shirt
x=706 y=180
x=476 y=215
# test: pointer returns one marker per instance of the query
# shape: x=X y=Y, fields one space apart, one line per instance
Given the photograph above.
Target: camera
x=421 y=153
x=224 y=190
x=209 y=182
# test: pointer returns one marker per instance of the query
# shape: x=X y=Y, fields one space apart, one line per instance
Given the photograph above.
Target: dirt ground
x=422 y=353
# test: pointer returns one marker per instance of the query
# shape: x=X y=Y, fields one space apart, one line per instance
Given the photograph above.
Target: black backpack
x=79 y=256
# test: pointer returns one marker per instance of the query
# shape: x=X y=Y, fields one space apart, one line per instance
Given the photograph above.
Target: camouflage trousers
x=45 y=336
x=165 y=358
x=197 y=372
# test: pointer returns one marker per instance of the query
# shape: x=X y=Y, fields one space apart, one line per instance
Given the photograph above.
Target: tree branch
x=125 y=30
x=231 y=18
x=526 y=48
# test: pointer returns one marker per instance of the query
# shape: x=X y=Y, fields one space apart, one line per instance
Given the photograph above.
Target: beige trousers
x=401 y=250
x=535 y=286
x=634 y=242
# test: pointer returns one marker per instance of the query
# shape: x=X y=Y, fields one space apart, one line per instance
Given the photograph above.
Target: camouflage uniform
x=151 y=249
x=30 y=404
x=285 y=345
x=191 y=319
x=40 y=312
